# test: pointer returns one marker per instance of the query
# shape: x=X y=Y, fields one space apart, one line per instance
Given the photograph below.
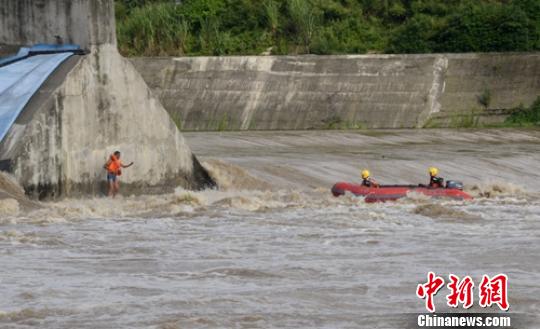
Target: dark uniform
x=436 y=182
x=368 y=182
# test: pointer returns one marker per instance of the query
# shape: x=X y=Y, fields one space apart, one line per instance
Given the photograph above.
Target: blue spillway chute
x=20 y=80
x=41 y=49
x=23 y=74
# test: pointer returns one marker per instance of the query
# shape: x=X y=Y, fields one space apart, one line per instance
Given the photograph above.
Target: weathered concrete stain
x=433 y=105
x=83 y=22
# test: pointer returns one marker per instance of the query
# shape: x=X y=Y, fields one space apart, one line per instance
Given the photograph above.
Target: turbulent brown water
x=272 y=248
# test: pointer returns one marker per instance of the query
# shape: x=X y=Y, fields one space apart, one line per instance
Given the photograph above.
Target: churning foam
x=9 y=207
x=496 y=189
x=239 y=190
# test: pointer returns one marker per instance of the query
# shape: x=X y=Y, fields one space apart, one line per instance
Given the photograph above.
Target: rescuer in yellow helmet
x=367 y=180
x=435 y=181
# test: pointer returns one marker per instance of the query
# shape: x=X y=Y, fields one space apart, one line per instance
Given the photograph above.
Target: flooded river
x=272 y=248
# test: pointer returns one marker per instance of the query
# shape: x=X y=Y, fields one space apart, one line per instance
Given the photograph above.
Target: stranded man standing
x=114 y=169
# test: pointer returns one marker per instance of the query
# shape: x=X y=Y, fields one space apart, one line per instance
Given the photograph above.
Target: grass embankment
x=525 y=117
x=519 y=117
x=252 y=27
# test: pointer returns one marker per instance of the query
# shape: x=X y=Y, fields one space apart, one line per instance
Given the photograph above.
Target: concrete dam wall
x=357 y=91
x=89 y=107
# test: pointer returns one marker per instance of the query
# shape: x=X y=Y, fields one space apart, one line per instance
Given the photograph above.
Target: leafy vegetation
x=522 y=116
x=232 y=27
x=485 y=98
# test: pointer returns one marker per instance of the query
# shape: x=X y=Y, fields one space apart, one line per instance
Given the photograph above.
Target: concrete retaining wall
x=314 y=92
x=505 y=80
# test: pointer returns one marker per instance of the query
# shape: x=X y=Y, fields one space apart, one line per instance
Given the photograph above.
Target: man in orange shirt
x=114 y=169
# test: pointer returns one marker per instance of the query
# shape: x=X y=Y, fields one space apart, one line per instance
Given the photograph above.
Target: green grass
x=223 y=123
x=465 y=120
x=525 y=117
x=177 y=119
x=520 y=117
x=335 y=122
x=485 y=98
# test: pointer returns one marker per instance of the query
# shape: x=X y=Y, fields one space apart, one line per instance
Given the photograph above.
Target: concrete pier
x=91 y=106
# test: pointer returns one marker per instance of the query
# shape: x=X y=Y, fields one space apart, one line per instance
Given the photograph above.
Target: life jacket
x=114 y=166
x=436 y=182
x=367 y=182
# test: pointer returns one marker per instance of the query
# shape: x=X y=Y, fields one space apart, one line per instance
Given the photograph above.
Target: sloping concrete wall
x=317 y=92
x=90 y=107
x=504 y=80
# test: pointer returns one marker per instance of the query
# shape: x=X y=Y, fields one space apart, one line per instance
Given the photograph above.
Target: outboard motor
x=454 y=184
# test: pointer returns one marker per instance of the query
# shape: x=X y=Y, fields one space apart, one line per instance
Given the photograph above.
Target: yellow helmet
x=433 y=171
x=365 y=173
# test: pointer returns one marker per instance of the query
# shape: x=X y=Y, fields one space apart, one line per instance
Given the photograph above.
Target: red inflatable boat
x=393 y=192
